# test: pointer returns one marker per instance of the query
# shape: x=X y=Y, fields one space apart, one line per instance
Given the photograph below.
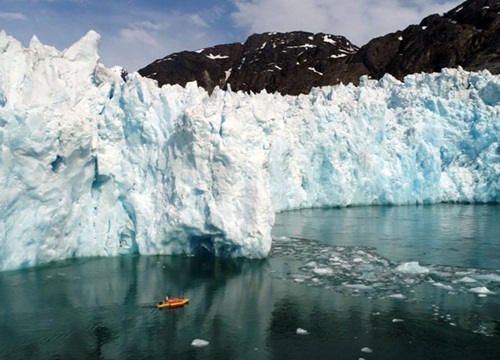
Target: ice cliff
x=91 y=165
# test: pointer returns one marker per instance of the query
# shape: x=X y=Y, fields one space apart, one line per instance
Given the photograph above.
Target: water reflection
x=105 y=308
x=457 y=235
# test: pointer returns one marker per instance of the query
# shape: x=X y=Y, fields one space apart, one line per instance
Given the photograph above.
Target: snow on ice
x=92 y=165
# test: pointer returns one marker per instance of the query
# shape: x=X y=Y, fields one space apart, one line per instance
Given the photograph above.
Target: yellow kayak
x=172 y=303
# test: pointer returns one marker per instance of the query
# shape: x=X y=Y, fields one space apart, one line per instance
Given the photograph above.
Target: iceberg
x=92 y=164
x=199 y=343
x=412 y=267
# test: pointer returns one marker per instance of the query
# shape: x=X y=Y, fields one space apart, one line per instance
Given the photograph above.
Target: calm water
x=458 y=235
x=335 y=273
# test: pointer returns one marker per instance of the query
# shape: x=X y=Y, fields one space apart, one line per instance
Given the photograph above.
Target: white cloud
x=12 y=16
x=154 y=35
x=149 y=25
x=137 y=35
x=358 y=20
x=197 y=19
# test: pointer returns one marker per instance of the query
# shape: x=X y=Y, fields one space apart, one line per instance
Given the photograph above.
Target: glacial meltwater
x=407 y=282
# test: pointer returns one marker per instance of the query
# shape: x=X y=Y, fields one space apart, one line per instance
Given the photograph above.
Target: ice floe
x=481 y=290
x=412 y=267
x=443 y=286
x=397 y=296
x=357 y=269
x=301 y=331
x=199 y=343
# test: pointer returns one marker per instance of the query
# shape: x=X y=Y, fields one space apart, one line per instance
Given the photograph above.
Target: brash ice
x=92 y=165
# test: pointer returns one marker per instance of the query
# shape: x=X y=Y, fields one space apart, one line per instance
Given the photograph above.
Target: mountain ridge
x=294 y=62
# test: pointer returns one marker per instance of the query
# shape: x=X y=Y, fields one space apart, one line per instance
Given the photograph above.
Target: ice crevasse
x=94 y=165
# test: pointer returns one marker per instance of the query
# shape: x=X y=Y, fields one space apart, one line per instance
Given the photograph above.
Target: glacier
x=95 y=165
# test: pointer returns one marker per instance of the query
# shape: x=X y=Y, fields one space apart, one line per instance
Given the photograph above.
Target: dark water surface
x=105 y=308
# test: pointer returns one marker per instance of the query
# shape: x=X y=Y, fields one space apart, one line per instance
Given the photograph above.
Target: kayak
x=172 y=303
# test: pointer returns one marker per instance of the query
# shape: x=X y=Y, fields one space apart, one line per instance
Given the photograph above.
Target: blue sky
x=134 y=33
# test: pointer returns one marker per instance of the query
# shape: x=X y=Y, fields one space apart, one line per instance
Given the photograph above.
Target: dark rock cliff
x=467 y=36
x=292 y=63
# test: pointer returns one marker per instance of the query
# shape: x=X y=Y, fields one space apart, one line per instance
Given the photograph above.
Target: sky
x=134 y=33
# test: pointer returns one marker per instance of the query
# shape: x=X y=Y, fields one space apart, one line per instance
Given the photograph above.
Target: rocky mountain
x=294 y=62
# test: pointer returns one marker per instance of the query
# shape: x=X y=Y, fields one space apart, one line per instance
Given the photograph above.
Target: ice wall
x=91 y=165
x=432 y=138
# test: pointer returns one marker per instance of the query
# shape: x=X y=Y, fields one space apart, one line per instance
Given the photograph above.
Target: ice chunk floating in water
x=98 y=166
x=199 y=343
x=358 y=270
x=412 y=267
x=301 y=331
x=481 y=290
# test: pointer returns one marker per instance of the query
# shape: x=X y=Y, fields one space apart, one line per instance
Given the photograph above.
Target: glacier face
x=92 y=165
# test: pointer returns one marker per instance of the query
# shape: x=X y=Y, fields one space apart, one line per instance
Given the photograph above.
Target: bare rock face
x=467 y=36
x=292 y=63
x=208 y=66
